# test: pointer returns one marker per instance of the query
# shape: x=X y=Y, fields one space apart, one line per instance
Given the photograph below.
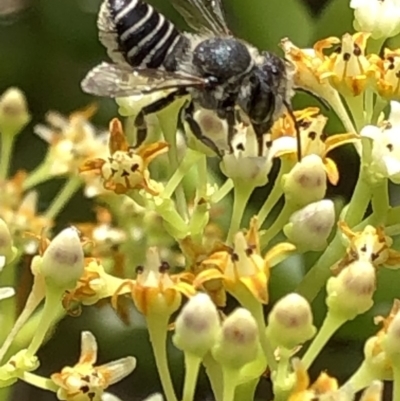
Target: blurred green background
x=46 y=48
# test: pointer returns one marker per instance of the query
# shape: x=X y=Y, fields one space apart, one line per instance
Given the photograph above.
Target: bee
x=218 y=71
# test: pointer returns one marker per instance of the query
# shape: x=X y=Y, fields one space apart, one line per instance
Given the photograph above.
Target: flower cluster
x=167 y=237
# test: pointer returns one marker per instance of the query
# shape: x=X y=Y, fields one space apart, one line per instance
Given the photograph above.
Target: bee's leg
x=196 y=129
x=260 y=130
x=296 y=125
x=231 y=120
x=140 y=121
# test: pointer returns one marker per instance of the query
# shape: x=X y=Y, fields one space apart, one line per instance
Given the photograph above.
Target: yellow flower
x=308 y=63
x=369 y=245
x=388 y=73
x=126 y=168
x=155 y=291
x=313 y=138
x=95 y=284
x=348 y=69
x=86 y=382
x=242 y=268
x=71 y=141
x=303 y=391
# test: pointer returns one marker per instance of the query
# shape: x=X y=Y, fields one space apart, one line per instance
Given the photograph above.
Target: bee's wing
x=203 y=15
x=112 y=80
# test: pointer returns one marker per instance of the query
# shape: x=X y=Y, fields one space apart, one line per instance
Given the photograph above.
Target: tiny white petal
x=6 y=292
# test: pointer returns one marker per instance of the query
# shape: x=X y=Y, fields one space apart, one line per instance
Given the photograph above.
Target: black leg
x=140 y=122
x=231 y=120
x=296 y=125
x=196 y=129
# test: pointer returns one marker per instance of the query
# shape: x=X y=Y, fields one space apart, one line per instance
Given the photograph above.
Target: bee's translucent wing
x=203 y=15
x=112 y=80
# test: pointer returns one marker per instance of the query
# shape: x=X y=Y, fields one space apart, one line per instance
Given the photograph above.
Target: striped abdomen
x=145 y=36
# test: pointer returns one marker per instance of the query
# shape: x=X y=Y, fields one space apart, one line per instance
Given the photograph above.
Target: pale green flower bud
x=238 y=340
x=7 y=250
x=391 y=343
x=310 y=227
x=290 y=322
x=197 y=326
x=14 y=114
x=350 y=293
x=109 y=397
x=306 y=182
x=63 y=261
x=378 y=17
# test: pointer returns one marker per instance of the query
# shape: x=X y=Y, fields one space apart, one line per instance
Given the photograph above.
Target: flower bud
x=379 y=18
x=310 y=227
x=350 y=293
x=290 y=322
x=376 y=361
x=14 y=114
x=238 y=340
x=197 y=326
x=7 y=251
x=373 y=392
x=391 y=343
x=63 y=261
x=109 y=397
x=306 y=182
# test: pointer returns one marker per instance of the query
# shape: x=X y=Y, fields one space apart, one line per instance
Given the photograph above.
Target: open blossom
x=348 y=69
x=125 y=168
x=308 y=64
x=155 y=290
x=86 y=382
x=381 y=18
x=385 y=156
x=387 y=79
x=72 y=141
x=242 y=267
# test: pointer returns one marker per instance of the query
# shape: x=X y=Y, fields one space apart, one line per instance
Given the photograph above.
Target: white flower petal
x=6 y=292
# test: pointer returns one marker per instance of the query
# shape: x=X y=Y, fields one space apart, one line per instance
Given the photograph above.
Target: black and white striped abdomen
x=145 y=37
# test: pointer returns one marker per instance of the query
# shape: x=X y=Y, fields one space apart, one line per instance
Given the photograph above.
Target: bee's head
x=262 y=99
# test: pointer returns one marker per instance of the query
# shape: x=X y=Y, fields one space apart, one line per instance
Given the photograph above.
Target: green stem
x=38 y=381
x=380 y=203
x=374 y=46
x=230 y=380
x=242 y=193
x=192 y=366
x=362 y=378
x=202 y=177
x=246 y=391
x=356 y=106
x=48 y=316
x=282 y=384
x=317 y=276
x=277 y=225
x=380 y=105
x=190 y=159
x=396 y=382
x=71 y=186
x=369 y=105
x=7 y=143
x=274 y=195
x=341 y=112
x=214 y=374
x=168 y=123
x=158 y=327
x=223 y=191
x=37 y=176
x=329 y=326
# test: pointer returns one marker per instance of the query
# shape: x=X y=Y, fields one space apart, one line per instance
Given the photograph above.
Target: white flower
x=381 y=18
x=385 y=155
x=6 y=292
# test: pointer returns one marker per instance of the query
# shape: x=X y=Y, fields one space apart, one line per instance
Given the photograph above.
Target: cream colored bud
x=290 y=322
x=380 y=18
x=391 y=343
x=238 y=340
x=14 y=114
x=197 y=326
x=309 y=227
x=376 y=360
x=306 y=182
x=350 y=293
x=7 y=251
x=63 y=261
x=110 y=397
x=373 y=392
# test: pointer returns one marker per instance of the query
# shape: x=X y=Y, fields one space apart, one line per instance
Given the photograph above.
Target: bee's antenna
x=296 y=125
